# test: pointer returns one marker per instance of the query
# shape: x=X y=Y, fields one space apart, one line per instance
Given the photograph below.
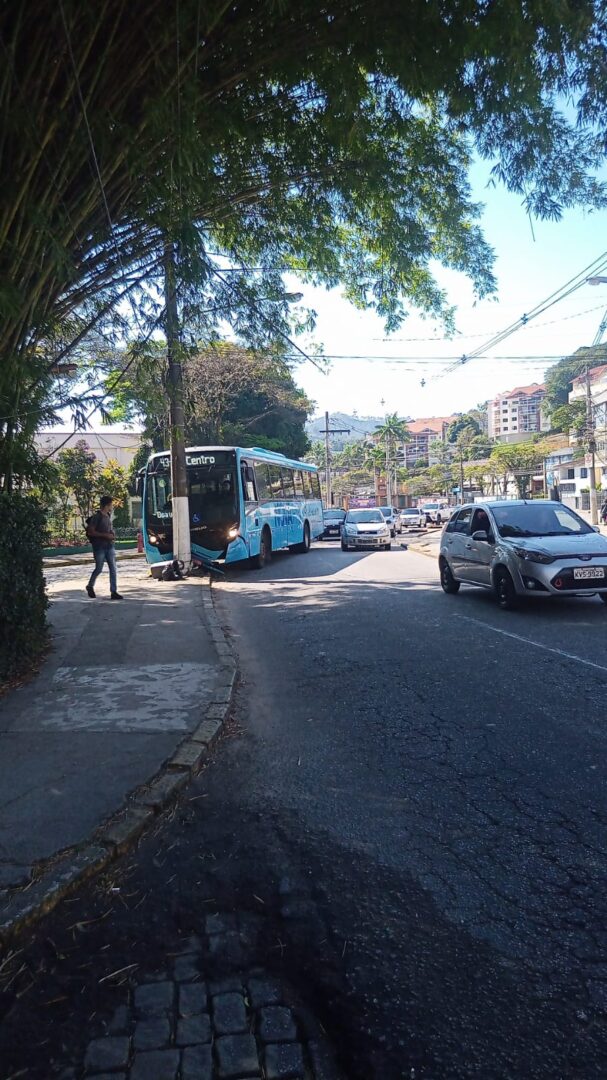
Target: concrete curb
x=423 y=550
x=51 y=561
x=112 y=838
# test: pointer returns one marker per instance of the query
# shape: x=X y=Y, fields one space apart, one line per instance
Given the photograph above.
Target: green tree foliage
x=480 y=447
x=23 y=629
x=467 y=420
x=233 y=396
x=317 y=454
x=571 y=419
x=81 y=480
x=559 y=379
x=482 y=476
x=521 y=460
x=78 y=474
x=113 y=479
x=332 y=140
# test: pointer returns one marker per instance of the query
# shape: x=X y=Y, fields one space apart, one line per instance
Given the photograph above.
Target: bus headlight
x=232 y=533
x=152 y=538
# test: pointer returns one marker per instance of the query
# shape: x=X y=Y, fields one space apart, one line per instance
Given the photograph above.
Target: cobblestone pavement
x=146 y=976
x=179 y=1024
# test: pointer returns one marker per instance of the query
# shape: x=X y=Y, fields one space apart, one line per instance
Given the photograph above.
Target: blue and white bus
x=244 y=504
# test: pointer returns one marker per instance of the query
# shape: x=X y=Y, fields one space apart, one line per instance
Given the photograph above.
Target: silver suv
x=523 y=548
x=436 y=513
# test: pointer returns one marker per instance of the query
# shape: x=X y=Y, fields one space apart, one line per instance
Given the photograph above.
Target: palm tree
x=392 y=433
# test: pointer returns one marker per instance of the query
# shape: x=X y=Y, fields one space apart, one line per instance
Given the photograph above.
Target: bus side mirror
x=139 y=484
x=250 y=474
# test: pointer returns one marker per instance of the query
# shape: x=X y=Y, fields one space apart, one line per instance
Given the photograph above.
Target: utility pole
x=330 y=431
x=388 y=477
x=328 y=462
x=594 y=513
x=182 y=547
x=461 y=473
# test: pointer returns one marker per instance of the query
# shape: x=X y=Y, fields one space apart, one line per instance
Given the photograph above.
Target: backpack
x=88 y=526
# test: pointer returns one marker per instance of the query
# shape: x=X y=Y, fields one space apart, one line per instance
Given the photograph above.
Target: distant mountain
x=359 y=427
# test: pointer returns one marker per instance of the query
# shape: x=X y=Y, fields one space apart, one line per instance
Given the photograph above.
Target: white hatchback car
x=365 y=528
x=412 y=517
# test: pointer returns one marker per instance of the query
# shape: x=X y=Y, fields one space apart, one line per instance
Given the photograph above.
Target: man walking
x=101 y=534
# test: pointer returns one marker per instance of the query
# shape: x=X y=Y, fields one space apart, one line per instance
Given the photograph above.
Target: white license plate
x=589 y=572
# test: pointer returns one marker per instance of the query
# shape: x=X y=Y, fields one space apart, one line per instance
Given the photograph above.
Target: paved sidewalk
x=86 y=558
x=124 y=684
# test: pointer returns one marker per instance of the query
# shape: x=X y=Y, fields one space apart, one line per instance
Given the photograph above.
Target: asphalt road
x=437 y=769
x=410 y=799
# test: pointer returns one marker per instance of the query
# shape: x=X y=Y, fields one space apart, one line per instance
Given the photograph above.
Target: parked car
x=365 y=528
x=436 y=513
x=390 y=516
x=333 y=519
x=412 y=518
x=523 y=548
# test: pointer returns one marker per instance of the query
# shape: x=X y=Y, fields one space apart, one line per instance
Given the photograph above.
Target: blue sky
x=531 y=262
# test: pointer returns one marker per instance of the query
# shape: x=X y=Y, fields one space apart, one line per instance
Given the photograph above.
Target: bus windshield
x=213 y=500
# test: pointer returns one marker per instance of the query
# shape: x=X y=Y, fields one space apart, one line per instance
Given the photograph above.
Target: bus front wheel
x=265 y=551
x=305 y=544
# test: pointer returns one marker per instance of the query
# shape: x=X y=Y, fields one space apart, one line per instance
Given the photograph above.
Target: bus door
x=298 y=515
x=251 y=517
x=291 y=516
x=277 y=510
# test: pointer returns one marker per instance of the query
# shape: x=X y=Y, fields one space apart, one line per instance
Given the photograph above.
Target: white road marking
x=529 y=641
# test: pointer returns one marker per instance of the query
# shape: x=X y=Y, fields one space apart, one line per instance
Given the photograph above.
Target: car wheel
x=344 y=547
x=603 y=596
x=265 y=551
x=448 y=582
x=505 y=591
x=304 y=547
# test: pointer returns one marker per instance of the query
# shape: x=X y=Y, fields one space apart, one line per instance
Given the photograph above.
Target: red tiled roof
x=535 y=388
x=430 y=424
x=595 y=373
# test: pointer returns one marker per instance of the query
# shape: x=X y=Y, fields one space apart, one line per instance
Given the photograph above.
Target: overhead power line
x=574 y=283
x=484 y=333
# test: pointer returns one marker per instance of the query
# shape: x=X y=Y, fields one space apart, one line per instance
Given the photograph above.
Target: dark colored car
x=333 y=520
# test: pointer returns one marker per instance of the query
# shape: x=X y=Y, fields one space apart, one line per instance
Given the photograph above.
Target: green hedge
x=23 y=602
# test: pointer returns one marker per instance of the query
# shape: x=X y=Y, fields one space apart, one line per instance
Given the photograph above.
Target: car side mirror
x=596 y=528
x=481 y=536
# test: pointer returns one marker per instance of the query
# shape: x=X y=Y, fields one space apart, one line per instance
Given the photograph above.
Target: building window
x=583 y=474
x=571 y=474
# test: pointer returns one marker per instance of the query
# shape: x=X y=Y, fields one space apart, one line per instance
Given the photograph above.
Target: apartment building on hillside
x=424 y=432
x=516 y=414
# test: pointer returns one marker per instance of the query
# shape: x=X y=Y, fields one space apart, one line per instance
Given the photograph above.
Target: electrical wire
x=482 y=334
x=592 y=270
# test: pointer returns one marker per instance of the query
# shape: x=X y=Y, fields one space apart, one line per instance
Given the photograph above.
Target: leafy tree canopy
x=559 y=377
x=333 y=140
x=233 y=395
x=570 y=418
x=466 y=420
